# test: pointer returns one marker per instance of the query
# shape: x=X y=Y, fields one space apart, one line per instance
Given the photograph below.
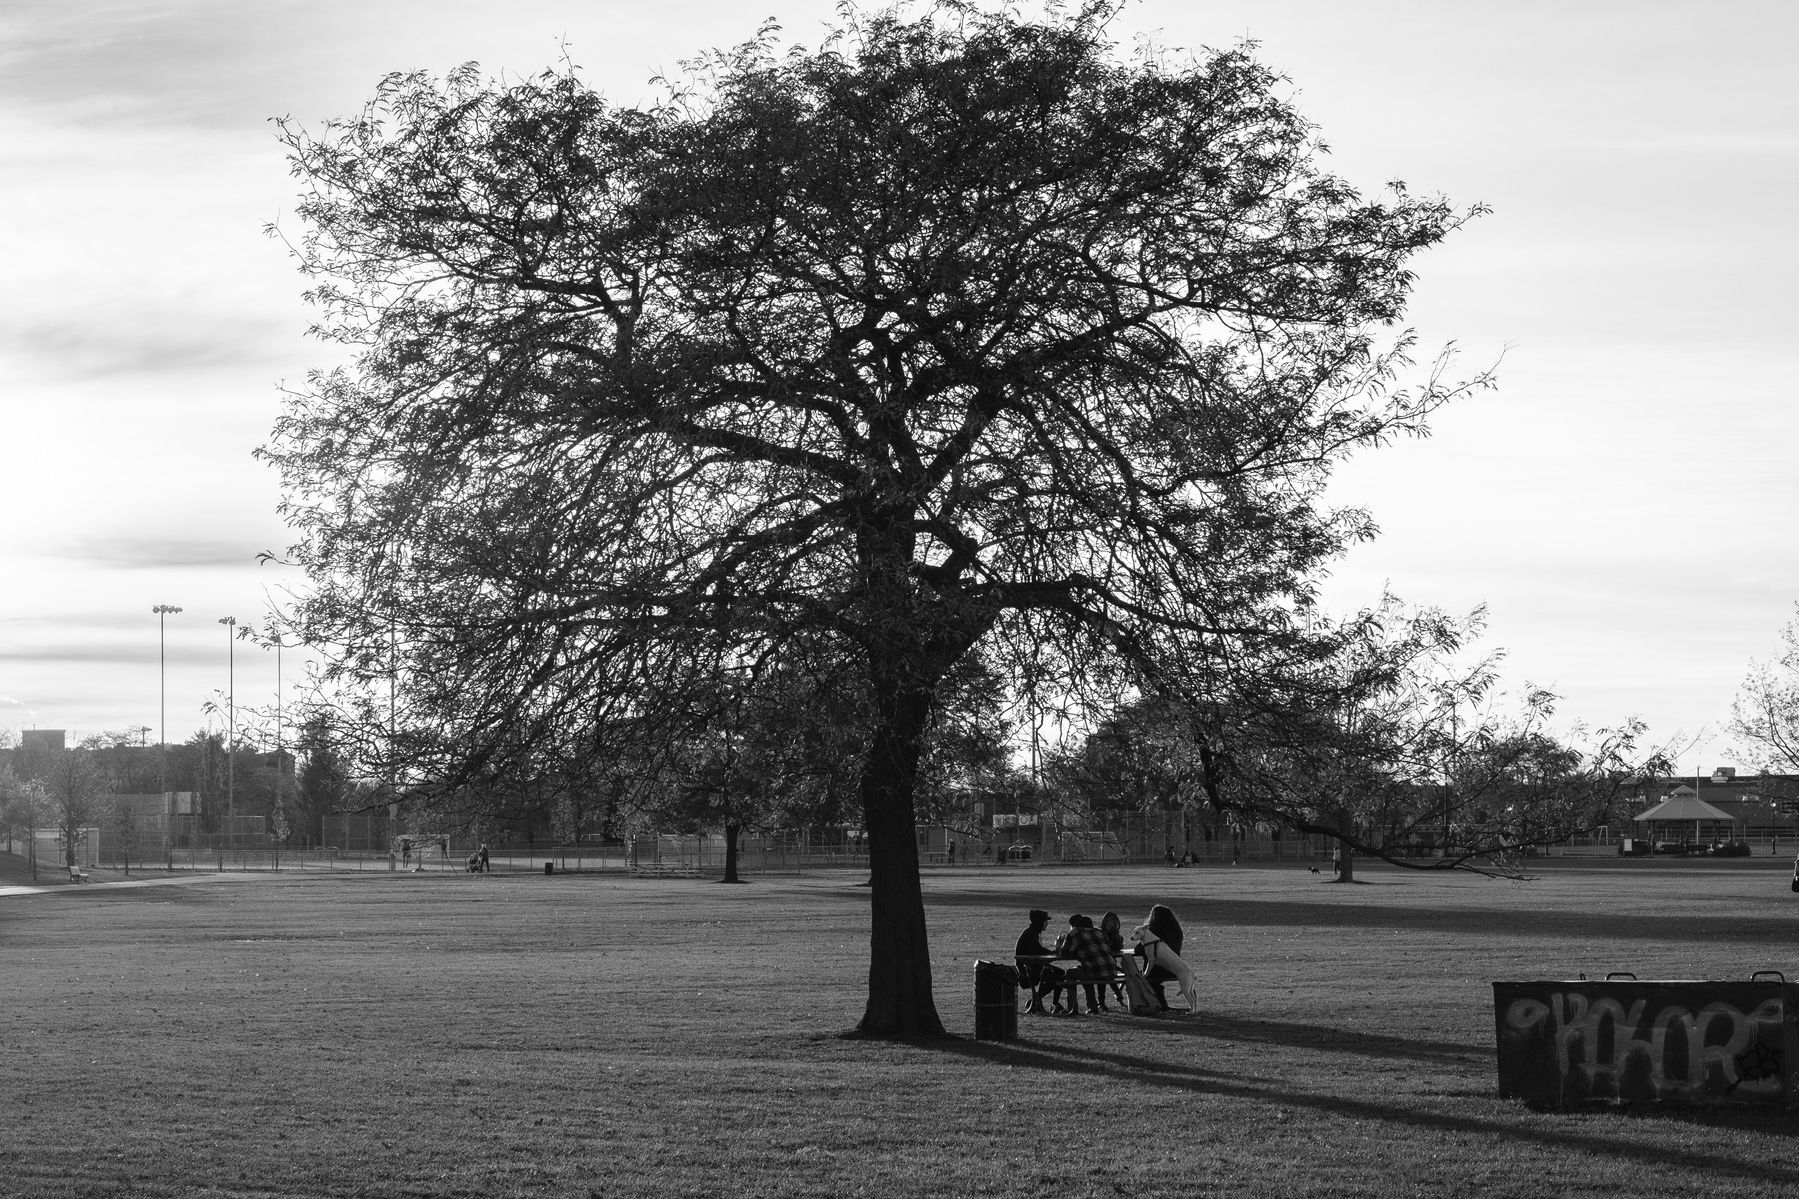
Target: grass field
x=522 y=1035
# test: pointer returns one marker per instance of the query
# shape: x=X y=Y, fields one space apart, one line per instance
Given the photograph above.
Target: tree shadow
x=1151 y=1072
x=1476 y=922
x=1293 y=1035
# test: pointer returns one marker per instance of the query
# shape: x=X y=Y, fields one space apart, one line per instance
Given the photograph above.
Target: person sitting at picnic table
x=1086 y=945
x=1112 y=929
x=1158 y=944
x=1036 y=974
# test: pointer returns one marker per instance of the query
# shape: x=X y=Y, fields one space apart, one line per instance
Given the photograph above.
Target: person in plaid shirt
x=1086 y=945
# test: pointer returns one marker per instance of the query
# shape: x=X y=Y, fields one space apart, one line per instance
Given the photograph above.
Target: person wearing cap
x=1034 y=969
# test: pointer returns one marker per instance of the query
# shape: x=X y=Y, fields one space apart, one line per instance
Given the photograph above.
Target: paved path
x=168 y=880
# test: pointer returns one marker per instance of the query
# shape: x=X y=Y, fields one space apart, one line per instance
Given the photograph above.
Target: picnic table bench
x=1073 y=973
x=665 y=870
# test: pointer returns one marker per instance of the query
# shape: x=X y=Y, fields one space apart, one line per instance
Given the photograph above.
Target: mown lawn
x=522 y=1035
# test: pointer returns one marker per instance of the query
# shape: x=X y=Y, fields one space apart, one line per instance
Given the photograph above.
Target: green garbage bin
x=995 y=1002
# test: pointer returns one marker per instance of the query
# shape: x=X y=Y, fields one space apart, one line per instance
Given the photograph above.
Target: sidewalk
x=168 y=880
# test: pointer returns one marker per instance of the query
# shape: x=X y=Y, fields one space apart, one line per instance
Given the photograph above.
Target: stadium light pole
x=230 y=623
x=278 y=728
x=163 y=612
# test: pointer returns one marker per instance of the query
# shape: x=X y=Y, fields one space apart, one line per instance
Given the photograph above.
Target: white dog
x=1156 y=953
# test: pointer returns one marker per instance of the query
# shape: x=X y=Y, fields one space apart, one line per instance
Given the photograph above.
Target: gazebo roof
x=1685 y=807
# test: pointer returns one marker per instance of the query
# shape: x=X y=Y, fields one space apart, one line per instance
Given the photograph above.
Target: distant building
x=1763 y=806
x=42 y=740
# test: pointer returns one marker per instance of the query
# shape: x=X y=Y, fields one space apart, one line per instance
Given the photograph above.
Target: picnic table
x=1072 y=972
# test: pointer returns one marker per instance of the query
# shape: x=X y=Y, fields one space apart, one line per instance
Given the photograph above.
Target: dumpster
x=995 y=1001
x=1621 y=1040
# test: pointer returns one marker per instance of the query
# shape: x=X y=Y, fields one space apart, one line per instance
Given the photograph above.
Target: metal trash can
x=995 y=1001
x=549 y=868
x=1676 y=1043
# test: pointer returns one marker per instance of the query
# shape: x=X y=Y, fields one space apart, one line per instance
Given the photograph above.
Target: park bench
x=77 y=874
x=665 y=870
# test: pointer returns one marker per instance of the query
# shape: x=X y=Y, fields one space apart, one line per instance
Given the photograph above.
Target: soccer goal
x=418 y=850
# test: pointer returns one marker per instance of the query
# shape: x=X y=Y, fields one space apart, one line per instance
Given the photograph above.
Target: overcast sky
x=1622 y=503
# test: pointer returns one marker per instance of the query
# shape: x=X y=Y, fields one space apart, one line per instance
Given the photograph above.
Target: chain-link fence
x=364 y=842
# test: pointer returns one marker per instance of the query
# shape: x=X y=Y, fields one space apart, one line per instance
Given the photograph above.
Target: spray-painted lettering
x=1636 y=1043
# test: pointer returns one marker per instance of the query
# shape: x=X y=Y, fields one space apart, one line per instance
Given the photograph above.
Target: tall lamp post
x=280 y=767
x=230 y=623
x=163 y=612
x=278 y=728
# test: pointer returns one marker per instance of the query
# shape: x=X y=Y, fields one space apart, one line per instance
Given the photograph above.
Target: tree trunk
x=900 y=1002
x=731 y=831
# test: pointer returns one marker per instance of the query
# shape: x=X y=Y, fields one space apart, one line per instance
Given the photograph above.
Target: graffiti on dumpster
x=1649 y=1047
x=1758 y=1062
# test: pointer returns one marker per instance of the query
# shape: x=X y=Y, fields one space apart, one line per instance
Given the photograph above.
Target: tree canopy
x=1765 y=713
x=963 y=334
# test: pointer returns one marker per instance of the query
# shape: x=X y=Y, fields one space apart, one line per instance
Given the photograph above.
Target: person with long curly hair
x=1159 y=940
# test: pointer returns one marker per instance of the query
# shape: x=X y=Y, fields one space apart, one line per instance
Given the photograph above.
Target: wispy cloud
x=1697 y=141
x=159 y=553
x=71 y=349
x=140 y=61
x=84 y=652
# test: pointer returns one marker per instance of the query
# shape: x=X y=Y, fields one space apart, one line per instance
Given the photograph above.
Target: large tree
x=323 y=782
x=77 y=783
x=964 y=333
x=18 y=812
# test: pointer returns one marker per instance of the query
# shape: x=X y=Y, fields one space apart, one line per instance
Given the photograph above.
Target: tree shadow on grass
x=1145 y=1071
x=1761 y=932
x=1289 y=1034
